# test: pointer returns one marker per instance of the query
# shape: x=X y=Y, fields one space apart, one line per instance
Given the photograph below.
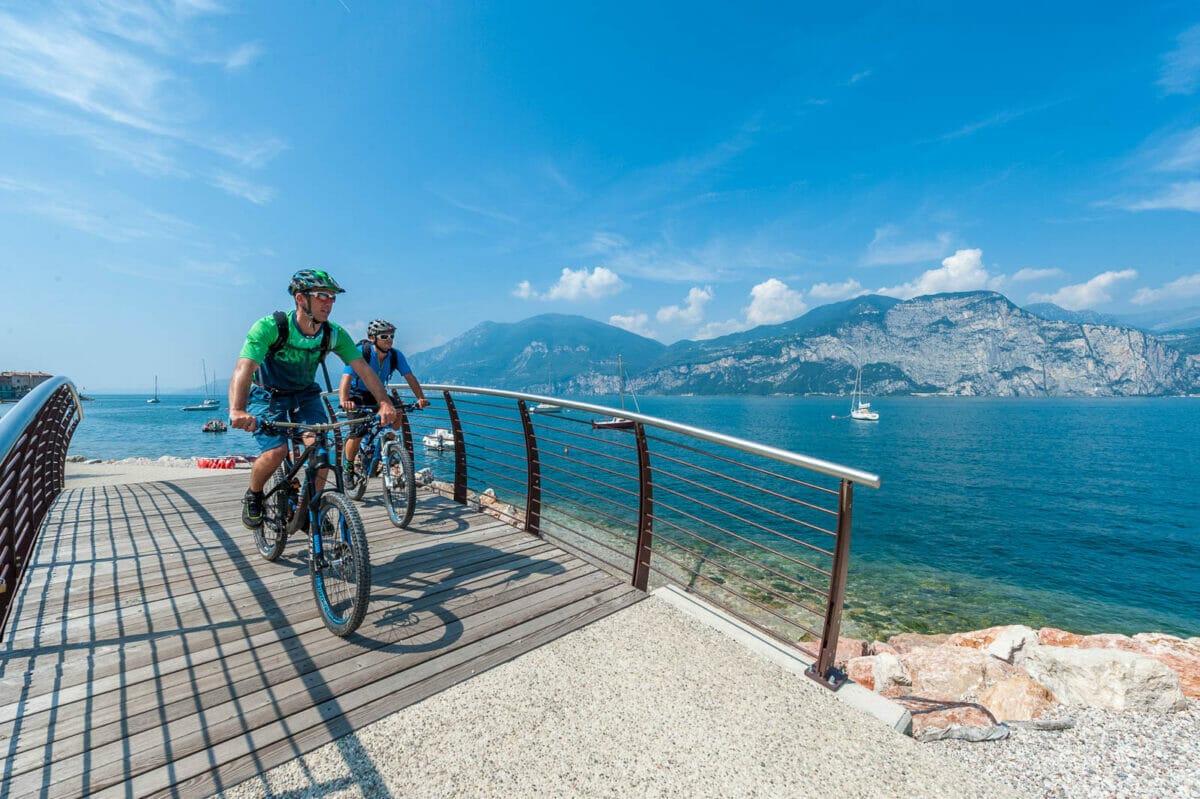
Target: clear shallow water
x=1082 y=514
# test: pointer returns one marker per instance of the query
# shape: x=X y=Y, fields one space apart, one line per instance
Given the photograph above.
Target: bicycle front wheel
x=399 y=485
x=341 y=569
x=279 y=510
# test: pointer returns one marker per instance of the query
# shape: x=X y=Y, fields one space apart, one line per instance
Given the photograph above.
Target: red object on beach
x=216 y=463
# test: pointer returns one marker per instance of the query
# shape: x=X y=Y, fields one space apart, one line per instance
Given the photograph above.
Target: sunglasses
x=324 y=296
x=388 y=336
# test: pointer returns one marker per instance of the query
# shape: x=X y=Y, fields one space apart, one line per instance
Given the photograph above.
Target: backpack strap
x=281 y=326
x=326 y=345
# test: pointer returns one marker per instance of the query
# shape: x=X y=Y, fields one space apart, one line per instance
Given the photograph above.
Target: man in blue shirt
x=354 y=394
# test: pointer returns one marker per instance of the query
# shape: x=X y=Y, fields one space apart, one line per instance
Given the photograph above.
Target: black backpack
x=281 y=325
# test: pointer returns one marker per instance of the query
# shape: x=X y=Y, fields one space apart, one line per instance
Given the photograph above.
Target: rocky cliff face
x=972 y=344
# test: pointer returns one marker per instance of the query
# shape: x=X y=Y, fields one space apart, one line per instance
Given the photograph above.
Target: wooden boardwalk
x=152 y=652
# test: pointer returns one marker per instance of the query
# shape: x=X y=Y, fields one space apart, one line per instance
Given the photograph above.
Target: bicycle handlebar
x=263 y=424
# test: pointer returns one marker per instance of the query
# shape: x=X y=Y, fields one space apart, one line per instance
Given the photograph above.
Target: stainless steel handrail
x=752 y=447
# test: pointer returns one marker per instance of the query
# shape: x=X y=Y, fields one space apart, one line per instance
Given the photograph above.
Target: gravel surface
x=1106 y=754
x=648 y=702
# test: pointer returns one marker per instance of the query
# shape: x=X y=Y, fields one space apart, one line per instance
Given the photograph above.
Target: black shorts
x=367 y=406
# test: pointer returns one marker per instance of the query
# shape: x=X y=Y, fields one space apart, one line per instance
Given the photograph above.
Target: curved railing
x=34 y=437
x=761 y=532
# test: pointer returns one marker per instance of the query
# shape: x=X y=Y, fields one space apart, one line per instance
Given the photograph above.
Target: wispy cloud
x=479 y=210
x=1184 y=287
x=1027 y=275
x=575 y=285
x=887 y=248
x=238 y=187
x=1086 y=295
x=1181 y=67
x=995 y=120
x=1184 y=196
x=110 y=72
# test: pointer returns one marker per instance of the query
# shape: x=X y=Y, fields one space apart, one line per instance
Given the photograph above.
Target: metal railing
x=34 y=436
x=761 y=532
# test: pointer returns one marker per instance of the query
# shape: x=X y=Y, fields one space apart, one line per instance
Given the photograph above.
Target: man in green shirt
x=285 y=388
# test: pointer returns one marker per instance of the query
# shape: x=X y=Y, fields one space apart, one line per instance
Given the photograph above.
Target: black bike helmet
x=378 y=326
x=313 y=280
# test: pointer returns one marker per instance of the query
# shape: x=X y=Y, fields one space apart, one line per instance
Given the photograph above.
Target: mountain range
x=965 y=344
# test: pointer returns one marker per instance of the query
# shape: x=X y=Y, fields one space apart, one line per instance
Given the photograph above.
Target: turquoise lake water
x=1082 y=513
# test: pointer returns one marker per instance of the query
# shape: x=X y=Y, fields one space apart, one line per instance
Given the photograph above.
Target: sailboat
x=154 y=400
x=617 y=422
x=859 y=410
x=210 y=402
x=547 y=407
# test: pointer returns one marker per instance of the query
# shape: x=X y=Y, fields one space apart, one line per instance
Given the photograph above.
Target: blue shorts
x=305 y=407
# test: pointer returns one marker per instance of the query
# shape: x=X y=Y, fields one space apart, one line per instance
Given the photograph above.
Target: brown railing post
x=460 y=452
x=645 y=536
x=533 y=474
x=823 y=670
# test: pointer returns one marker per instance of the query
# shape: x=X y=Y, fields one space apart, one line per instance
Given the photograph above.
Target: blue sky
x=682 y=170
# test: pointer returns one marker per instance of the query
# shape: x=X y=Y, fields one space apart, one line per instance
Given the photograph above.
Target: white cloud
x=574 y=285
x=1181 y=66
x=962 y=271
x=692 y=310
x=1180 y=153
x=1086 y=295
x=832 y=292
x=772 y=302
x=602 y=242
x=1188 y=286
x=580 y=284
x=635 y=323
x=885 y=248
x=243 y=56
x=1026 y=275
x=1177 y=197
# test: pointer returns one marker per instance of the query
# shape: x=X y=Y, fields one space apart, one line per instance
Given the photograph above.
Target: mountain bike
x=339 y=563
x=392 y=462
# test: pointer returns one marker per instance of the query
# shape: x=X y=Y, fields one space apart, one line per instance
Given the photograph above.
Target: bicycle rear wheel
x=341 y=572
x=399 y=486
x=278 y=512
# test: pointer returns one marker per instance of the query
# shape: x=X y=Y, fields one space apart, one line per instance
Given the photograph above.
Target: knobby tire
x=341 y=575
x=278 y=509
x=358 y=483
x=399 y=484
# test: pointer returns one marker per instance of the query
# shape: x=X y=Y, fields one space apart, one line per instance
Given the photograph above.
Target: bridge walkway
x=152 y=652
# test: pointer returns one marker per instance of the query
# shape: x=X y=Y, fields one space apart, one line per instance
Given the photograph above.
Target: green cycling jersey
x=294 y=367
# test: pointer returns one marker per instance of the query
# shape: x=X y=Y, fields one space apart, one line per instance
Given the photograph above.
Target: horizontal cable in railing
x=553 y=482
x=550 y=458
x=752 y=486
x=741 y=464
x=799 y=582
x=734 y=516
x=558 y=470
x=745 y=502
x=727 y=589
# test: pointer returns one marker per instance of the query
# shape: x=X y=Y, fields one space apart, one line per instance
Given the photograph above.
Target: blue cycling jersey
x=381 y=363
